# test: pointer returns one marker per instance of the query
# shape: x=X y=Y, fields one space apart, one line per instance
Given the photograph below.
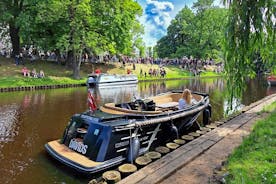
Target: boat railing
x=176 y=114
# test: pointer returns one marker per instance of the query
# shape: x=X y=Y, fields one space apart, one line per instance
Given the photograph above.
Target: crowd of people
x=193 y=65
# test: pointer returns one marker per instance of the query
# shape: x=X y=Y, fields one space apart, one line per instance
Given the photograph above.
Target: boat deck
x=71 y=155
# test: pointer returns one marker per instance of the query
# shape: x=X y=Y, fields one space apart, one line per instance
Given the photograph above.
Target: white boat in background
x=105 y=79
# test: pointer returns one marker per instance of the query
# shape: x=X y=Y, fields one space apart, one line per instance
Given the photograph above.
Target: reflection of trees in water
x=206 y=86
x=270 y=90
x=153 y=88
x=257 y=90
x=8 y=123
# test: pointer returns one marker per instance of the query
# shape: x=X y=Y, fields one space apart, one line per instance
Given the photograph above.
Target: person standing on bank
x=186 y=99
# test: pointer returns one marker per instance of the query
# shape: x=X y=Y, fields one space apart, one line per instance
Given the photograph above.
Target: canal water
x=29 y=119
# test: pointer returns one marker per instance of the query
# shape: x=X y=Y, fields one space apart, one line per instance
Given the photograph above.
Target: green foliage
x=115 y=22
x=75 y=26
x=250 y=37
x=197 y=33
x=254 y=160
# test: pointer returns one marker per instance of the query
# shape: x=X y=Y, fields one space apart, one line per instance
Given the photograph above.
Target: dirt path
x=195 y=161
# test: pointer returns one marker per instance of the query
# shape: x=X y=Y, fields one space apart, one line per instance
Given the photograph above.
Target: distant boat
x=95 y=141
x=104 y=79
x=271 y=80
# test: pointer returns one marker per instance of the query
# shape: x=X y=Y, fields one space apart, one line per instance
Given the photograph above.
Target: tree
x=197 y=33
x=73 y=26
x=115 y=21
x=11 y=11
x=250 y=35
x=137 y=39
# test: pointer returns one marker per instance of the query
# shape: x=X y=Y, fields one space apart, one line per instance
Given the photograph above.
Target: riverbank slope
x=56 y=74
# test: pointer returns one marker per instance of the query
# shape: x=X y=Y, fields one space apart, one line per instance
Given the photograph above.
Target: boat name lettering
x=78 y=146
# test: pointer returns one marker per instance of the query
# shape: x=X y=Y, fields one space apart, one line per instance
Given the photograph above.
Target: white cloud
x=156 y=19
x=158 y=15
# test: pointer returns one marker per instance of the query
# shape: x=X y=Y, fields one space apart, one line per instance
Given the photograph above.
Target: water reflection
x=32 y=118
x=8 y=123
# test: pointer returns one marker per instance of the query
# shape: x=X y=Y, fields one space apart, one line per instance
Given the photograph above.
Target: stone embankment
x=195 y=161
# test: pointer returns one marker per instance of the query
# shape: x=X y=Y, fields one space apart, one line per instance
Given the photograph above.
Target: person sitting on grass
x=34 y=74
x=25 y=72
x=41 y=74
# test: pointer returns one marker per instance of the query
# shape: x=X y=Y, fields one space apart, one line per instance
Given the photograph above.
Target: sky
x=157 y=15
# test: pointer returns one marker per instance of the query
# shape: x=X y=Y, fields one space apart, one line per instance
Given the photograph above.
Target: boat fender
x=174 y=130
x=133 y=151
x=206 y=116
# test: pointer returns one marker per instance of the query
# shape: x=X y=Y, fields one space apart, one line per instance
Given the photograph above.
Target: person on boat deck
x=186 y=99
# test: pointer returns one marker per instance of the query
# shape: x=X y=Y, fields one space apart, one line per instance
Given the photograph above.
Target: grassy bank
x=255 y=160
x=10 y=74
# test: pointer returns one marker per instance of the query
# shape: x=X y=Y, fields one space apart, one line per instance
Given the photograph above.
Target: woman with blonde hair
x=186 y=99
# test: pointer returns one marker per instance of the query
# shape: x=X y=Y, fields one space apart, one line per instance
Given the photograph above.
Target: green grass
x=255 y=160
x=10 y=74
x=17 y=81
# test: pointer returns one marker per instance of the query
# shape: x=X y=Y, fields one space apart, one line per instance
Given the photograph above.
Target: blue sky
x=157 y=16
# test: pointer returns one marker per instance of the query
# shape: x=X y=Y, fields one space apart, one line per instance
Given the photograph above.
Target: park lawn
x=254 y=161
x=173 y=72
x=10 y=74
x=29 y=81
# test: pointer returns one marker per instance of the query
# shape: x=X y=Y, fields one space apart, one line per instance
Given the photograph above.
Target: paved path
x=195 y=161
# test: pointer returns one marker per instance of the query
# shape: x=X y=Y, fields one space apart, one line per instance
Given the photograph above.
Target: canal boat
x=271 y=80
x=114 y=133
x=104 y=79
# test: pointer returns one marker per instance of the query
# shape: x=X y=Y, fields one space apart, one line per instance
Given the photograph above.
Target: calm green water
x=30 y=119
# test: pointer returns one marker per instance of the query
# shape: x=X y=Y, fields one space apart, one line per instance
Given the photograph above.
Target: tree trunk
x=75 y=64
x=14 y=34
x=76 y=68
x=58 y=56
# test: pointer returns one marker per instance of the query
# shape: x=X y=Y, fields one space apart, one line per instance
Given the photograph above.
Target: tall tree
x=10 y=16
x=115 y=21
x=77 y=25
x=250 y=35
x=197 y=32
